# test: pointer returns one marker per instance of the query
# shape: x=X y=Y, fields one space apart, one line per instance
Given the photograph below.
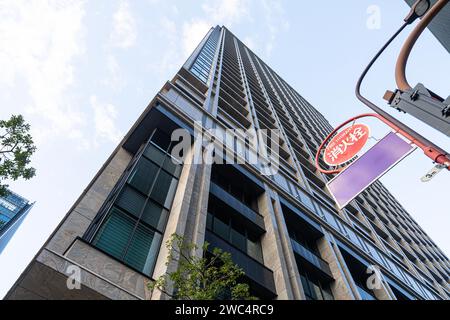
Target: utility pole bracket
x=423 y=105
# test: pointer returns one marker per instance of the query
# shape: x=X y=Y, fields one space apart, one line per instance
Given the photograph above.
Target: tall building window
x=133 y=228
x=10 y=205
x=236 y=188
x=234 y=232
x=203 y=62
x=314 y=288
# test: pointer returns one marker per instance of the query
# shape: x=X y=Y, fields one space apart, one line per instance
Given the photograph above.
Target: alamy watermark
x=374 y=281
x=373 y=21
x=259 y=147
x=73 y=281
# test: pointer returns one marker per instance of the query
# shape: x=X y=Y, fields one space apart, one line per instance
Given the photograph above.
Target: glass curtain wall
x=133 y=228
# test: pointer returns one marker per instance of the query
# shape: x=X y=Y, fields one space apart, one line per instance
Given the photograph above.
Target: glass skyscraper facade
x=284 y=230
x=13 y=210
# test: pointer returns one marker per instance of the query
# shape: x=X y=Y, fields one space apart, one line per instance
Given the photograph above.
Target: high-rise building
x=13 y=210
x=283 y=230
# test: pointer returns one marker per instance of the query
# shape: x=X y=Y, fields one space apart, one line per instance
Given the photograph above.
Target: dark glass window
x=239 y=240
x=314 y=288
x=204 y=60
x=133 y=228
x=155 y=216
x=165 y=188
x=221 y=227
x=131 y=201
x=254 y=247
x=234 y=189
x=307 y=242
x=143 y=249
x=114 y=234
x=234 y=232
x=143 y=176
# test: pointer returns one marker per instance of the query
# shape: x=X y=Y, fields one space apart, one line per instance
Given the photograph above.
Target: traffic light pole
x=400 y=68
x=432 y=151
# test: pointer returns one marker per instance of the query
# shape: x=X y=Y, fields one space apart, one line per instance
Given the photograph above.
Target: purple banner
x=368 y=168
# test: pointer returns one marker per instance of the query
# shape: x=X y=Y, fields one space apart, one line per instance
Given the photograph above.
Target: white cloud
x=38 y=43
x=276 y=21
x=124 y=32
x=193 y=33
x=105 y=115
x=169 y=27
x=172 y=58
x=216 y=12
x=114 y=79
x=226 y=12
x=250 y=43
x=174 y=10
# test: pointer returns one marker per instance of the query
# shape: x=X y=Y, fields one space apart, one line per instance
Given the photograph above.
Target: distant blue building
x=13 y=210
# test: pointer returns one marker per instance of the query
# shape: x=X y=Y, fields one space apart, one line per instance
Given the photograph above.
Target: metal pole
x=400 y=68
x=430 y=149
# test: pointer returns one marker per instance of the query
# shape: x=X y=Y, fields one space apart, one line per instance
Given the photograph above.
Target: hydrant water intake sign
x=346 y=144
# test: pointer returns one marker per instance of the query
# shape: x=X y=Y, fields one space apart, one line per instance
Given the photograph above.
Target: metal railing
x=311 y=257
x=252 y=268
x=237 y=205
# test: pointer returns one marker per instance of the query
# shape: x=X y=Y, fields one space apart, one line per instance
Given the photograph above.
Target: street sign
x=345 y=145
x=368 y=168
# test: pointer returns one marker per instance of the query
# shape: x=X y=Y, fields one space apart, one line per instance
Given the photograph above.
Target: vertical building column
x=177 y=219
x=343 y=286
x=196 y=220
x=277 y=251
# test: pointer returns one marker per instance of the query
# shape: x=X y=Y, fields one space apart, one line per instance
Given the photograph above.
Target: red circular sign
x=346 y=144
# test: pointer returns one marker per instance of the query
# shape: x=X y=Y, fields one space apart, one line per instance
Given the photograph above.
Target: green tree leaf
x=16 y=149
x=209 y=277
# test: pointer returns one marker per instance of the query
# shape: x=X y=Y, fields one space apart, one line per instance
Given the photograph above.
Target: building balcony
x=393 y=250
x=321 y=193
x=282 y=115
x=304 y=161
x=371 y=202
x=233 y=90
x=269 y=122
x=432 y=271
x=417 y=251
x=426 y=252
x=193 y=80
x=232 y=82
x=381 y=216
x=231 y=67
x=394 y=231
x=379 y=229
x=237 y=205
x=311 y=258
x=260 y=276
x=407 y=251
x=231 y=99
x=292 y=135
x=367 y=212
x=421 y=270
x=238 y=114
x=313 y=177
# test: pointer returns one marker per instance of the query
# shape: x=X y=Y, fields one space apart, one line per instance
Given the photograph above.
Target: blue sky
x=81 y=72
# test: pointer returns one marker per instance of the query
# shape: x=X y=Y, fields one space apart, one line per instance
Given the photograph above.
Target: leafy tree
x=16 y=148
x=201 y=278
